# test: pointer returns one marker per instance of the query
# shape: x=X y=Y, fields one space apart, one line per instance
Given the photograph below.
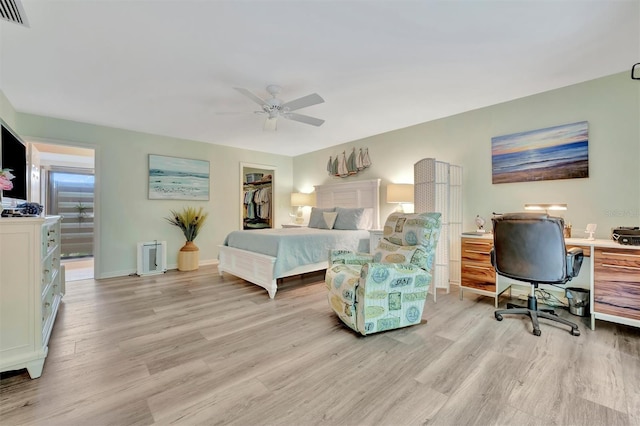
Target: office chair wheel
x=498 y=317
x=537 y=332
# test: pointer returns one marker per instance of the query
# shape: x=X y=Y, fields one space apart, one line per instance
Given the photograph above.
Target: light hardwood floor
x=78 y=269
x=195 y=348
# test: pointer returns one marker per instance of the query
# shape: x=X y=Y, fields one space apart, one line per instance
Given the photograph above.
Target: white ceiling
x=169 y=67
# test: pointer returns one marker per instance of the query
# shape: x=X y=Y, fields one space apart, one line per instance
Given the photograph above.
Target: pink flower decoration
x=5 y=179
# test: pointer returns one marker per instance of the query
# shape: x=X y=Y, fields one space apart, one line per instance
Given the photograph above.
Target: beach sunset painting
x=560 y=152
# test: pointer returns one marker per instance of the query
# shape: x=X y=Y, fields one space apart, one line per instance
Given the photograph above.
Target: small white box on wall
x=152 y=258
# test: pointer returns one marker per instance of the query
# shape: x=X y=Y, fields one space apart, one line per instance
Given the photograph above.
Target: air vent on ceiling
x=12 y=11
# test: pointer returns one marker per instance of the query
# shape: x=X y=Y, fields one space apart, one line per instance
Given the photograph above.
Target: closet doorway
x=256 y=199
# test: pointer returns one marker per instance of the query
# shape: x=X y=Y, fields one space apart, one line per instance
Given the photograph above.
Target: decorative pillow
x=329 y=219
x=316 y=219
x=349 y=218
x=366 y=220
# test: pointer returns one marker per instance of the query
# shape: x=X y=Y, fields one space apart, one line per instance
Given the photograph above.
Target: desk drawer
x=477 y=250
x=476 y=269
x=478 y=276
x=617 y=282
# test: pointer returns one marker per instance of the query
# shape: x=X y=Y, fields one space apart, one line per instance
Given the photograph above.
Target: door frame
x=97 y=173
x=260 y=167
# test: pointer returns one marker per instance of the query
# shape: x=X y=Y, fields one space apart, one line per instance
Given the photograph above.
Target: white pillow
x=329 y=219
x=316 y=218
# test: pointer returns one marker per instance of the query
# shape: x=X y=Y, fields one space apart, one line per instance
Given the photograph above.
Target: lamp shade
x=400 y=193
x=302 y=199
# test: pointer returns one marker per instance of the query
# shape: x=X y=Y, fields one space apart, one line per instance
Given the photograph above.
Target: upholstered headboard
x=360 y=193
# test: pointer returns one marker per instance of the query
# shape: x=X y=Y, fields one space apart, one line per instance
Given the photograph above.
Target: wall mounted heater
x=152 y=258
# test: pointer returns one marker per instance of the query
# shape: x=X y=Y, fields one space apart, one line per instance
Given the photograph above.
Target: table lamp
x=401 y=193
x=300 y=200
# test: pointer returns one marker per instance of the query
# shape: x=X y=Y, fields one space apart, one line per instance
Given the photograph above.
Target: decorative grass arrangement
x=189 y=221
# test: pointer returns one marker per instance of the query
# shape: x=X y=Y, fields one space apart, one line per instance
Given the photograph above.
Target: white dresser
x=31 y=287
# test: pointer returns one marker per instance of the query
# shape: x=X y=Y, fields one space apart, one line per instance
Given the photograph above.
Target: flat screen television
x=13 y=156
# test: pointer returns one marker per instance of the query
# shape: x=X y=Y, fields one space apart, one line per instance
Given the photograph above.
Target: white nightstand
x=294 y=225
x=375 y=235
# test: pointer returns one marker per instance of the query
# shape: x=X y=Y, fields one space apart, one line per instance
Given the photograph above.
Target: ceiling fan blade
x=303 y=102
x=251 y=96
x=238 y=112
x=270 y=124
x=303 y=119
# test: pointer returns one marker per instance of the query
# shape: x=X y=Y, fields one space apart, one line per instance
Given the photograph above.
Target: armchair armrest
x=390 y=295
x=575 y=256
x=346 y=257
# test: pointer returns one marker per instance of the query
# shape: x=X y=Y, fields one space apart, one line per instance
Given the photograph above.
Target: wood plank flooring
x=197 y=348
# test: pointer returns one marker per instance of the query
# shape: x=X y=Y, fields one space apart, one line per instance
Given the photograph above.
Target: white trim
x=97 y=175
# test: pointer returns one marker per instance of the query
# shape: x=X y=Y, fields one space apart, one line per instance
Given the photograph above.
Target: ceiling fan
x=273 y=107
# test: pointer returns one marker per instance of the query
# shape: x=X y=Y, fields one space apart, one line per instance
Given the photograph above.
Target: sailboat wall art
x=343 y=166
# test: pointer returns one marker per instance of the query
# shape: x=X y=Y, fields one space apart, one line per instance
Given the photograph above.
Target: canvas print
x=560 y=152
x=173 y=178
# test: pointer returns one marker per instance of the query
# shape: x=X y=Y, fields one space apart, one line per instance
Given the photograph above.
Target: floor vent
x=152 y=258
x=12 y=11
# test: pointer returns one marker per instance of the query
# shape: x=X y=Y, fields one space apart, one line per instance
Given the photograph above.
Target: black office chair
x=530 y=247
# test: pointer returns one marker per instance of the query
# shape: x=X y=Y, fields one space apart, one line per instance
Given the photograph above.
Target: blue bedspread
x=293 y=247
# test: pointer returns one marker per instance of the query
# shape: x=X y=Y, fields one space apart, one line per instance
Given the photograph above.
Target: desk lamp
x=552 y=207
x=546 y=207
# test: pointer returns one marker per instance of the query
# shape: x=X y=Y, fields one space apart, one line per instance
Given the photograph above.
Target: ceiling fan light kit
x=274 y=107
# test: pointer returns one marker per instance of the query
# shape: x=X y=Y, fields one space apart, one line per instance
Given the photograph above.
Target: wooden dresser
x=31 y=287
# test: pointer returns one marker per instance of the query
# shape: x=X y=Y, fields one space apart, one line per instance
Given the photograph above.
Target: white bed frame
x=259 y=269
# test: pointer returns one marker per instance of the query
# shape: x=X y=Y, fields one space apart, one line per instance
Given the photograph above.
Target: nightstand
x=294 y=225
x=375 y=235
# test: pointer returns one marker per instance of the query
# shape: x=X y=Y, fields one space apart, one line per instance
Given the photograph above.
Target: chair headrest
x=413 y=229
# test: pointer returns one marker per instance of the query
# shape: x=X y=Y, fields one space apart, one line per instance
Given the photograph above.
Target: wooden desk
x=614 y=276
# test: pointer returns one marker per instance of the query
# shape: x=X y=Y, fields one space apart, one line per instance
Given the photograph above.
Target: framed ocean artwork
x=559 y=152
x=173 y=178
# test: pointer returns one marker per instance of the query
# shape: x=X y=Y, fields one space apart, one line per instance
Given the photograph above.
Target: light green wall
x=124 y=214
x=610 y=196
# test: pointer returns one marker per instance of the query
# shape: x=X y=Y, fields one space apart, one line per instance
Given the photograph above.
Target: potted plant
x=189 y=220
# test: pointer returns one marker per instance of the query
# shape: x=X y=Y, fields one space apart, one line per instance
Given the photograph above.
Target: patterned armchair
x=386 y=289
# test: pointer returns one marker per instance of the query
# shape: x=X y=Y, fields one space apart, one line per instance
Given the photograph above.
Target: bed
x=261 y=256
